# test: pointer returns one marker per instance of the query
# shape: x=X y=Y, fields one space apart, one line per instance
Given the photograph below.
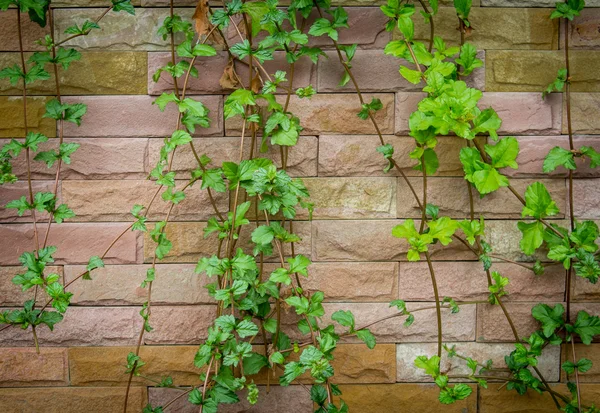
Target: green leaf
x=124 y=5
x=468 y=59
x=431 y=365
x=551 y=318
x=557 y=84
x=413 y=76
x=586 y=326
x=14 y=74
x=533 y=236
x=538 y=203
x=246 y=328
x=559 y=157
x=344 y=318
x=367 y=337
x=504 y=153
x=489 y=180
x=95 y=262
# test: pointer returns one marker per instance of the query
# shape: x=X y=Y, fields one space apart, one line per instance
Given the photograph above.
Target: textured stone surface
x=70 y=399
x=211 y=69
x=278 y=399
x=333 y=114
x=355 y=363
x=496 y=28
x=302 y=159
x=584 y=110
x=120 y=116
x=113 y=200
x=466 y=281
x=76 y=243
x=83 y=326
x=180 y=325
x=11 y=294
x=583 y=290
x=583 y=351
x=457 y=327
x=356 y=155
x=9 y=39
x=369 y=240
x=527 y=71
x=24 y=367
x=407 y=353
x=16 y=191
x=352 y=198
x=583 y=30
x=103 y=366
x=533 y=151
x=11 y=108
x=530 y=3
x=521 y=113
x=451 y=195
x=586 y=204
x=97 y=73
x=416 y=398
x=120 y=285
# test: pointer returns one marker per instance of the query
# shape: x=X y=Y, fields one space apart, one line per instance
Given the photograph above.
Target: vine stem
x=104 y=13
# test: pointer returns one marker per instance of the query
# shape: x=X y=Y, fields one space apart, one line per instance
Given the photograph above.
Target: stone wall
x=357 y=263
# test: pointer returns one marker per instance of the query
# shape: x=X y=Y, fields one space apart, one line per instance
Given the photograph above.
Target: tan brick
x=97 y=73
x=76 y=243
x=103 y=366
x=24 y=367
x=136 y=116
x=333 y=114
x=71 y=400
x=120 y=285
x=406 y=354
x=457 y=327
x=357 y=156
x=504 y=237
x=113 y=200
x=451 y=195
x=466 y=281
x=528 y=71
x=11 y=294
x=180 y=324
x=530 y=3
x=586 y=198
x=9 y=32
x=583 y=290
x=416 y=398
x=87 y=3
x=83 y=326
x=582 y=351
x=495 y=28
x=584 y=108
x=16 y=191
x=369 y=240
x=302 y=159
x=11 y=125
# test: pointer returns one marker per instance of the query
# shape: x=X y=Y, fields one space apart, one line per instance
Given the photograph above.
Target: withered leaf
x=228 y=78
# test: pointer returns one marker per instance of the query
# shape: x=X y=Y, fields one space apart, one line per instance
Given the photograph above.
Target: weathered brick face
x=357 y=263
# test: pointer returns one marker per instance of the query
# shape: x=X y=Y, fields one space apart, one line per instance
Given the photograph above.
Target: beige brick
x=24 y=367
x=180 y=324
x=11 y=125
x=584 y=107
x=582 y=351
x=583 y=30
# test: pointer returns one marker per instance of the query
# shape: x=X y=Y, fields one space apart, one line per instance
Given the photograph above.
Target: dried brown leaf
x=228 y=78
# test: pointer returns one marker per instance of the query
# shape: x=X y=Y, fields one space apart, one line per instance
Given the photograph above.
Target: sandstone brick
x=451 y=195
x=11 y=294
x=457 y=327
x=583 y=30
x=584 y=108
x=189 y=243
x=136 y=116
x=71 y=400
x=103 y=366
x=385 y=79
x=97 y=73
x=504 y=237
x=302 y=160
x=521 y=113
x=355 y=363
x=406 y=354
x=586 y=202
x=533 y=151
x=76 y=243
x=496 y=28
x=16 y=191
x=499 y=400
x=369 y=240
x=9 y=32
x=582 y=351
x=11 y=108
x=211 y=69
x=351 y=198
x=583 y=290
x=466 y=281
x=96 y=158
x=357 y=156
x=120 y=285
x=416 y=398
x=530 y=3
x=333 y=114
x=354 y=281
x=180 y=324
x=113 y=200
x=83 y=326
x=278 y=399
x=87 y=3
x=528 y=71
x=24 y=367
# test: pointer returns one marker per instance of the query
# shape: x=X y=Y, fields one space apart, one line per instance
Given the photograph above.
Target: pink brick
x=521 y=113
x=15 y=191
x=24 y=367
x=586 y=198
x=135 y=116
x=583 y=30
x=211 y=69
x=180 y=325
x=467 y=281
x=9 y=39
x=76 y=242
x=83 y=326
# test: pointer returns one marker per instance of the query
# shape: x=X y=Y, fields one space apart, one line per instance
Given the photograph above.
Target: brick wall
x=357 y=263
